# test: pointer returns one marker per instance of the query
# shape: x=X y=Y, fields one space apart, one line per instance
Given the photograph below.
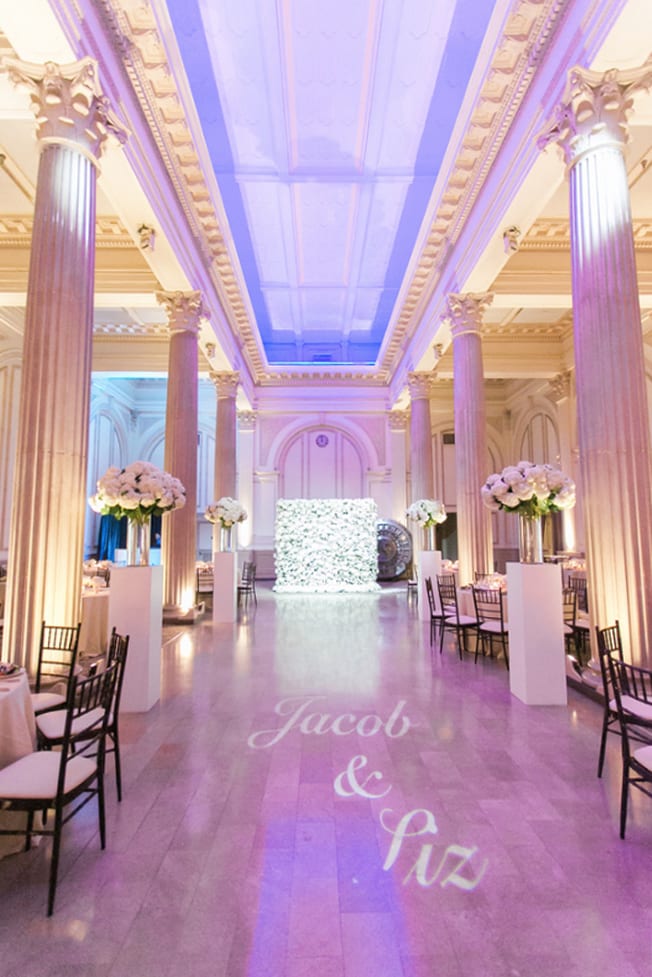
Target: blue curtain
x=113 y=535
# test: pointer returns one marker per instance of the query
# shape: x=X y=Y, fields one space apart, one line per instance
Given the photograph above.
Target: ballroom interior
x=297 y=249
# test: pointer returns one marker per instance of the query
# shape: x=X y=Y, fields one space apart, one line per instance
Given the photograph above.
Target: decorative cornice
x=528 y=330
x=138 y=44
x=150 y=330
x=526 y=39
x=324 y=379
x=110 y=233
x=548 y=234
x=528 y=35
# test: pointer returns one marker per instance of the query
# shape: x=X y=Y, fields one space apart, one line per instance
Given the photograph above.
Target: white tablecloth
x=94 y=634
x=17 y=738
x=17 y=726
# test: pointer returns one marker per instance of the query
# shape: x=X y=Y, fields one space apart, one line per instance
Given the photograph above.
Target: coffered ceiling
x=325 y=172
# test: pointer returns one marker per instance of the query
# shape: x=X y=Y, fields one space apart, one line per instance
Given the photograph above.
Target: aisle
x=316 y=795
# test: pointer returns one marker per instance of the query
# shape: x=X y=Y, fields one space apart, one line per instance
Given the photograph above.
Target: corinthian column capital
x=69 y=105
x=246 y=420
x=226 y=384
x=184 y=310
x=561 y=386
x=593 y=110
x=465 y=312
x=398 y=420
x=420 y=385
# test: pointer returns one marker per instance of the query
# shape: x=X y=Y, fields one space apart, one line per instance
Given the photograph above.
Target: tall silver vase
x=429 y=538
x=138 y=542
x=530 y=539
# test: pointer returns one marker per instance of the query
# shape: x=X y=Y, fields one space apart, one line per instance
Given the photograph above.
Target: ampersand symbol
x=346 y=783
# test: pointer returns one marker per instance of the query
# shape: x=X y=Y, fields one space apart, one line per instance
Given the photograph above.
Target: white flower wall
x=326 y=546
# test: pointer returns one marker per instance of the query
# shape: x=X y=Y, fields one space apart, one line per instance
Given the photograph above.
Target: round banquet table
x=94 y=634
x=17 y=738
x=17 y=725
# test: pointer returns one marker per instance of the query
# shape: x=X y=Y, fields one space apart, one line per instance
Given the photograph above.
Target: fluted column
x=397 y=425
x=613 y=427
x=423 y=484
x=179 y=543
x=49 y=496
x=561 y=388
x=246 y=456
x=226 y=387
x=474 y=532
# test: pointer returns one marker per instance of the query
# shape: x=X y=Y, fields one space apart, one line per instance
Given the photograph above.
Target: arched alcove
x=538 y=438
x=321 y=463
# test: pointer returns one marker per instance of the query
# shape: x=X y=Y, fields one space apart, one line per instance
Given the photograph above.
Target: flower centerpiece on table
x=528 y=489
x=226 y=511
x=137 y=491
x=426 y=512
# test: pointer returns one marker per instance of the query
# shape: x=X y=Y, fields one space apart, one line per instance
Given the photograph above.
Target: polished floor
x=317 y=795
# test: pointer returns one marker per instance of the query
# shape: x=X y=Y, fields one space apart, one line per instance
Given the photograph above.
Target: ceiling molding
x=137 y=42
x=529 y=33
x=153 y=330
x=548 y=234
x=293 y=378
x=110 y=233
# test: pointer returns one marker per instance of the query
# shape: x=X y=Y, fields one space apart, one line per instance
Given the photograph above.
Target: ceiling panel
x=326 y=122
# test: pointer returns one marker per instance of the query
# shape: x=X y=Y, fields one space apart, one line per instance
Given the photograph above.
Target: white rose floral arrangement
x=137 y=491
x=226 y=512
x=426 y=512
x=529 y=489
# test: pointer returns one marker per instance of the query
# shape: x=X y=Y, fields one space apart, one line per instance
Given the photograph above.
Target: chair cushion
x=493 y=626
x=42 y=701
x=464 y=620
x=35 y=776
x=634 y=707
x=52 y=724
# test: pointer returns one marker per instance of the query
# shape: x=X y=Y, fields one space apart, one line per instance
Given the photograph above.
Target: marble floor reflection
x=317 y=794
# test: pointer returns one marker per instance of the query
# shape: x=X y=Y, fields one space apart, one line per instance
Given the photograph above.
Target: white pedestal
x=537 y=666
x=225 y=584
x=136 y=609
x=429 y=566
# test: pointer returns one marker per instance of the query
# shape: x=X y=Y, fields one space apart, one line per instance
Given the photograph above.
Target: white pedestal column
x=429 y=566
x=225 y=584
x=537 y=665
x=135 y=608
